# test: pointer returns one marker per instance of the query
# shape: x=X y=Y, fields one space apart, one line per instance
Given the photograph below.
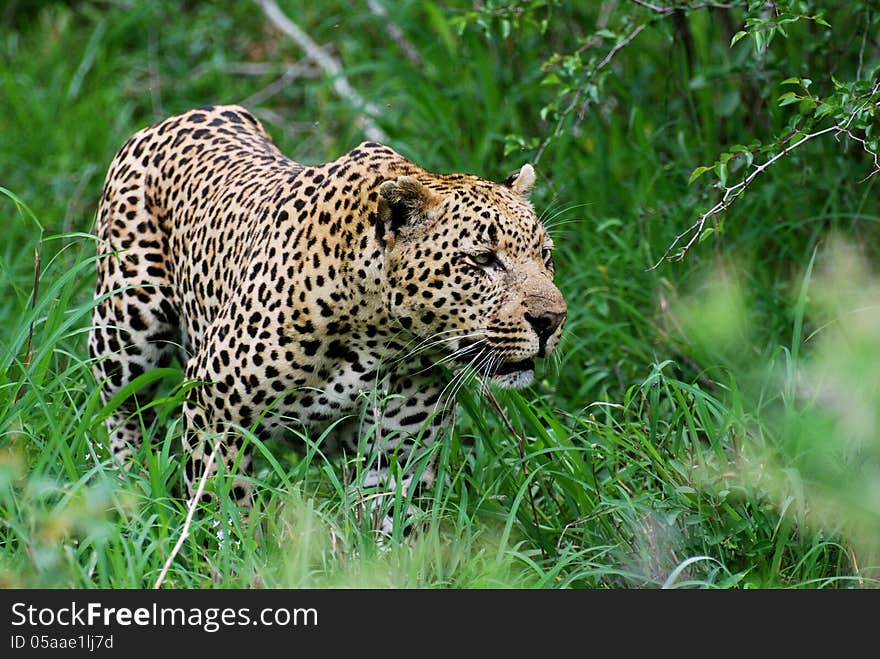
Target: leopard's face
x=469 y=274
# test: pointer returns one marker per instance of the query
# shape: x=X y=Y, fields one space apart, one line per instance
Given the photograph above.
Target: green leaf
x=736 y=37
x=708 y=231
x=440 y=25
x=824 y=110
x=551 y=78
x=788 y=98
x=721 y=173
x=697 y=173
x=727 y=103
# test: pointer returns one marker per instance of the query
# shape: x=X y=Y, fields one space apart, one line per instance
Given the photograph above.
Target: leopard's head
x=469 y=272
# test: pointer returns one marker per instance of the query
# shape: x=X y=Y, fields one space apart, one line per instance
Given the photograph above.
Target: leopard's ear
x=407 y=201
x=521 y=181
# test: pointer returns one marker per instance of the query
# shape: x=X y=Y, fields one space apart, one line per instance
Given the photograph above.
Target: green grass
x=709 y=423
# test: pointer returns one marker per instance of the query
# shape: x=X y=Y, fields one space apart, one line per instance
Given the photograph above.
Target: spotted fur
x=289 y=290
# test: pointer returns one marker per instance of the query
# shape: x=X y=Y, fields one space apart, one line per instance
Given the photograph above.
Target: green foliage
x=582 y=76
x=708 y=422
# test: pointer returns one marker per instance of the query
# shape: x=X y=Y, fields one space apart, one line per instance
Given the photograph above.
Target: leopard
x=292 y=293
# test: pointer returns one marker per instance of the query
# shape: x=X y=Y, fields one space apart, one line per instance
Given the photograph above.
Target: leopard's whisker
x=461 y=376
x=460 y=351
x=433 y=341
x=478 y=365
x=447 y=358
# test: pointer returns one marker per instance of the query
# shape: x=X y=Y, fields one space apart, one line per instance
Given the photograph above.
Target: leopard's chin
x=513 y=379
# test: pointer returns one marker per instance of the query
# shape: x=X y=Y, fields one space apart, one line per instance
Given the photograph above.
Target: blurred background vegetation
x=707 y=169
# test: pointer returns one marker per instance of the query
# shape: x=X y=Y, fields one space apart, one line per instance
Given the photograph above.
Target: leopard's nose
x=545 y=324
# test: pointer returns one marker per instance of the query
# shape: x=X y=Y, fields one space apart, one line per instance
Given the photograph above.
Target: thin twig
x=662 y=11
x=852 y=557
x=607 y=60
x=668 y=9
x=864 y=42
x=155 y=80
x=304 y=69
x=290 y=74
x=576 y=100
x=522 y=456
x=331 y=68
x=191 y=509
x=409 y=51
x=654 y=8
x=25 y=362
x=732 y=193
x=377 y=443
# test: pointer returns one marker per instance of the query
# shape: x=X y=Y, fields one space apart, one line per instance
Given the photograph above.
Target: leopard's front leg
x=401 y=430
x=217 y=409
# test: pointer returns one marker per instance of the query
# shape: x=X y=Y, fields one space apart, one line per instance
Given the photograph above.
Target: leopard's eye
x=486 y=260
x=547 y=257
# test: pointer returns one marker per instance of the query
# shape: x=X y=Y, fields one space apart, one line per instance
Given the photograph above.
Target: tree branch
x=733 y=192
x=668 y=9
x=330 y=66
x=406 y=46
x=576 y=100
x=193 y=503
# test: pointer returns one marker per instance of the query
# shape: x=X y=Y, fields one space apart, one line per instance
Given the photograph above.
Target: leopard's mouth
x=490 y=364
x=506 y=368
